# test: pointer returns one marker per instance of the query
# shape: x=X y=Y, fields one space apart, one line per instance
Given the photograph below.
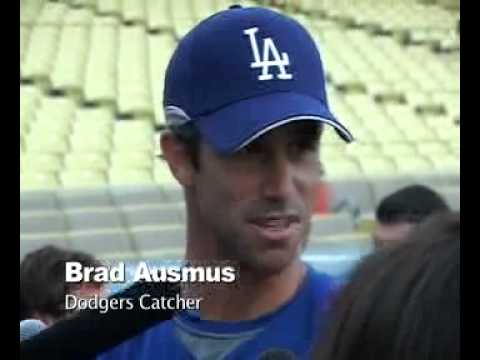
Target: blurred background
x=91 y=84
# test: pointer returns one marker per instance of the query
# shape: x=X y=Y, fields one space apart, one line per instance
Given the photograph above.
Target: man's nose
x=279 y=176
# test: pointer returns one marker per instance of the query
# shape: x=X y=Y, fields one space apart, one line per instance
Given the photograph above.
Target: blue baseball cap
x=243 y=72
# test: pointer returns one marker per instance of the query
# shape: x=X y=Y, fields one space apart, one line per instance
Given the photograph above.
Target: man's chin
x=270 y=263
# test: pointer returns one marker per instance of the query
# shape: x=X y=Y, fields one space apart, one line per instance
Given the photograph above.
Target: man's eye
x=303 y=146
x=252 y=149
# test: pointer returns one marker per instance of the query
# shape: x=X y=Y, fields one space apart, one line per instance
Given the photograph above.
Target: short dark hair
x=190 y=137
x=410 y=204
x=402 y=302
x=42 y=280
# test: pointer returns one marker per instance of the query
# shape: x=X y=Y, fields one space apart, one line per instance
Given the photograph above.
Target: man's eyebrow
x=313 y=130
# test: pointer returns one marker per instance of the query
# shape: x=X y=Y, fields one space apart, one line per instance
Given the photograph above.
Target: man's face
x=257 y=203
x=386 y=235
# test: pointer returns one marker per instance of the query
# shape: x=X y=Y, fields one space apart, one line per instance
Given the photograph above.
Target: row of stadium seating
x=145 y=234
x=105 y=61
x=394 y=105
x=144 y=219
x=156 y=15
x=364 y=194
x=62 y=144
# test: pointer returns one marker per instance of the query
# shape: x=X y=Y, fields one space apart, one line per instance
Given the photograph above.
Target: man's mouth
x=275 y=221
x=275 y=227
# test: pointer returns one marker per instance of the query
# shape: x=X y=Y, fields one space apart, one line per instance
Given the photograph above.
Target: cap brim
x=235 y=126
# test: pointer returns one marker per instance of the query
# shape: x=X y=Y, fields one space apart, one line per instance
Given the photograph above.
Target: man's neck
x=252 y=296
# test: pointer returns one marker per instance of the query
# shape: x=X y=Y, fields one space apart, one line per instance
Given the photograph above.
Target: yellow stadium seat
x=332 y=153
x=432 y=148
x=24 y=39
x=158 y=15
x=69 y=67
x=378 y=166
x=359 y=150
x=342 y=169
x=402 y=115
x=398 y=149
x=53 y=120
x=134 y=11
x=38 y=181
x=163 y=175
x=100 y=80
x=203 y=9
x=86 y=130
x=389 y=135
x=446 y=163
x=455 y=149
x=83 y=3
x=40 y=162
x=78 y=17
x=131 y=159
x=30 y=97
x=27 y=114
x=133 y=87
x=94 y=143
x=47 y=144
x=139 y=126
x=437 y=121
x=98 y=121
x=122 y=176
x=60 y=108
x=86 y=161
x=52 y=14
x=50 y=128
x=89 y=116
x=82 y=178
x=408 y=165
x=41 y=52
x=30 y=13
x=448 y=134
x=109 y=7
x=136 y=135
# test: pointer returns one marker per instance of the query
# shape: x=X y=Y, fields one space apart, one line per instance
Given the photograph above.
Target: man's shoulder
x=160 y=337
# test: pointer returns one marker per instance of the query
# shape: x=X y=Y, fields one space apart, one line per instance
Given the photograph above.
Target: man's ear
x=176 y=155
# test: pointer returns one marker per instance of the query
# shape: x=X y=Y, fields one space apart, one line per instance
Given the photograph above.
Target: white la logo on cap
x=265 y=63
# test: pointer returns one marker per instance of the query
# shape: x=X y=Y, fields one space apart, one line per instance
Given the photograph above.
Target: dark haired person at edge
x=245 y=103
x=399 y=213
x=43 y=287
x=402 y=302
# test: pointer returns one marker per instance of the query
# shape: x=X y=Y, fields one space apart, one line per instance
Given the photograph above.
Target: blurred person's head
x=244 y=137
x=43 y=287
x=398 y=213
x=402 y=302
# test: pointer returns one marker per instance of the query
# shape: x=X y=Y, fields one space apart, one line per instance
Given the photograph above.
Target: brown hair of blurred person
x=402 y=303
x=43 y=287
x=400 y=212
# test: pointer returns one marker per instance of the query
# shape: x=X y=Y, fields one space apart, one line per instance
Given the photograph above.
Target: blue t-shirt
x=292 y=329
